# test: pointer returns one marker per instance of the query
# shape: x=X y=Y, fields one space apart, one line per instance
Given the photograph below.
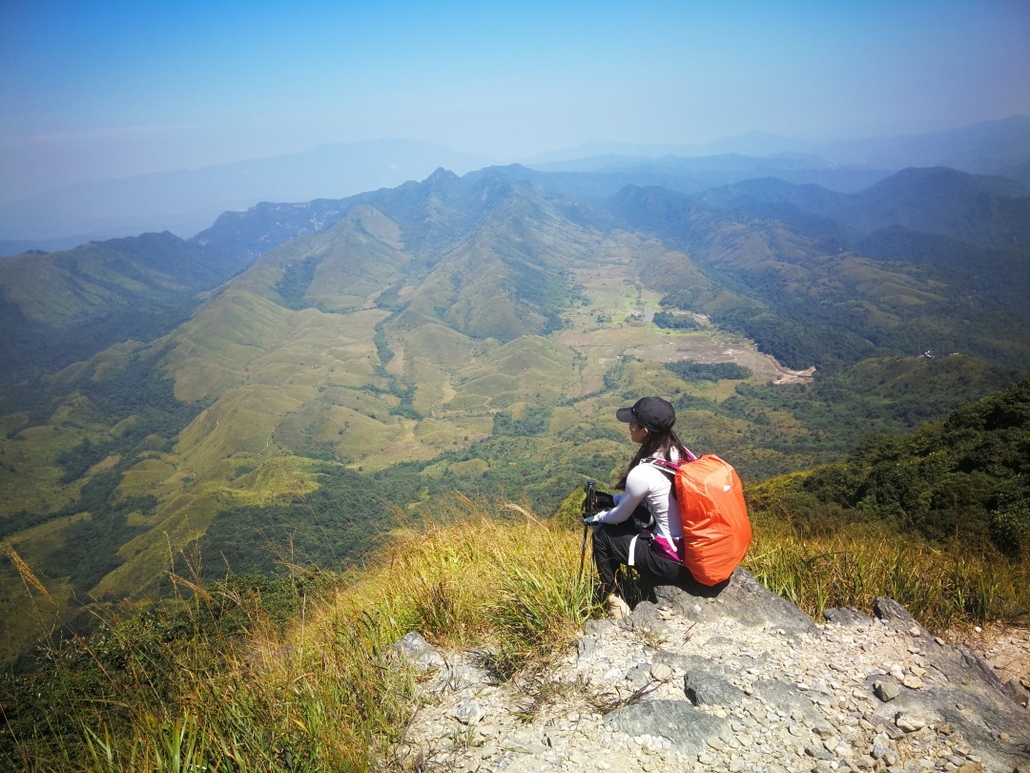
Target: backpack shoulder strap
x=666 y=465
x=662 y=464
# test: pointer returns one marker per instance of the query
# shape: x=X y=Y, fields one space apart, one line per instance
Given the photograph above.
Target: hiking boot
x=617 y=608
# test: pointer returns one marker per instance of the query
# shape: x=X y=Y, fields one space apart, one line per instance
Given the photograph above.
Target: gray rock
x=886 y=690
x=848 y=617
x=892 y=614
x=645 y=618
x=661 y=672
x=978 y=670
x=741 y=597
x=597 y=627
x=674 y=659
x=964 y=692
x=639 y=676
x=913 y=682
x=819 y=753
x=824 y=731
x=468 y=712
x=758 y=690
x=585 y=647
x=706 y=687
x=1019 y=693
x=686 y=727
x=879 y=750
x=522 y=747
x=456 y=677
x=739 y=662
x=416 y=651
x=977 y=714
x=787 y=697
x=910 y=722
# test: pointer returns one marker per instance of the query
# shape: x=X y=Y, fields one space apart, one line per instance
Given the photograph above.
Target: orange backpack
x=716 y=530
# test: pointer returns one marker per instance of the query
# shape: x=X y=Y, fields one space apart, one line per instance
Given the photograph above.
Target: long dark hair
x=655 y=444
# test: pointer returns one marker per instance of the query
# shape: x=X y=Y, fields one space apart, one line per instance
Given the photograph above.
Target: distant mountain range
x=988 y=211
x=186 y=202
x=990 y=147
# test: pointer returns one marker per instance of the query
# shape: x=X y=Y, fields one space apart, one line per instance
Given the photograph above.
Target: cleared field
x=614 y=323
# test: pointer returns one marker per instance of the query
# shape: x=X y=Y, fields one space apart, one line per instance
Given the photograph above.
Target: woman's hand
x=594 y=520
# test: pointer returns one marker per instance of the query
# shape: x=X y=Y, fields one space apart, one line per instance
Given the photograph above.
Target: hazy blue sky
x=92 y=89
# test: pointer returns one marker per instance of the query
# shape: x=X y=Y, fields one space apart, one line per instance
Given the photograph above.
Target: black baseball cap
x=651 y=412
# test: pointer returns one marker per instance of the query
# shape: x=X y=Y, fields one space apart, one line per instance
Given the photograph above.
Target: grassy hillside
x=991 y=275
x=56 y=308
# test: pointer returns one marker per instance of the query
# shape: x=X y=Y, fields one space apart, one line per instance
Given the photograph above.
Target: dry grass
x=942 y=586
x=506 y=585
x=327 y=693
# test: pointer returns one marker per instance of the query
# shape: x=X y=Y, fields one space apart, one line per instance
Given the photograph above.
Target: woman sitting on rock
x=656 y=552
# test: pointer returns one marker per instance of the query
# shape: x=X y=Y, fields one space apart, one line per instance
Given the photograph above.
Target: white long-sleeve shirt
x=646 y=483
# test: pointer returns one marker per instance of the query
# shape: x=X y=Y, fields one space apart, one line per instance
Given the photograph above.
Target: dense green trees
x=717 y=371
x=295 y=281
x=534 y=421
x=344 y=518
x=966 y=477
x=670 y=321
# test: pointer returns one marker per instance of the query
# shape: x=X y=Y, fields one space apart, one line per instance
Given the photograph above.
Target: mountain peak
x=441 y=175
x=941 y=180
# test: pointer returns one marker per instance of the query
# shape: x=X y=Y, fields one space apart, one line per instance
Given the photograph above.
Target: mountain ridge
x=935 y=200
x=187 y=201
x=985 y=147
x=59 y=306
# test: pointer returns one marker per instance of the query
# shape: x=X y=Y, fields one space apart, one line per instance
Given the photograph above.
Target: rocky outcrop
x=735 y=679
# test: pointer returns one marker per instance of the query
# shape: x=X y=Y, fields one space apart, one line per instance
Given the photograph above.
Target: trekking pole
x=588 y=505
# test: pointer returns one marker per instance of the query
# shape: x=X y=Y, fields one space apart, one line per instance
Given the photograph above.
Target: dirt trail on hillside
x=756 y=361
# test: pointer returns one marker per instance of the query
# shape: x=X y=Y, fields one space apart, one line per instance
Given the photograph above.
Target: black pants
x=611 y=549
